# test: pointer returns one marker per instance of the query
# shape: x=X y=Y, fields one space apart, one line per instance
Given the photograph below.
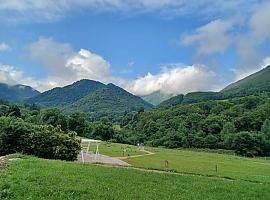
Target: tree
x=14 y=111
x=266 y=129
x=228 y=128
x=77 y=122
x=12 y=135
x=248 y=144
x=53 y=116
x=211 y=141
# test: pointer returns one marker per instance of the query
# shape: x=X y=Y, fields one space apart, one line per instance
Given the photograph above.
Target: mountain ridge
x=16 y=93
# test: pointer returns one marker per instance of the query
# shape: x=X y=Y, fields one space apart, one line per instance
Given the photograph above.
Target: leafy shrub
x=43 y=141
x=249 y=144
x=12 y=135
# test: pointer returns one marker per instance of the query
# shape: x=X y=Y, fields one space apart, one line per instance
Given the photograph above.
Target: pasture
x=34 y=178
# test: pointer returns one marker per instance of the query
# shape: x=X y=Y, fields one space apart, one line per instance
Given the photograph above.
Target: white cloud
x=65 y=65
x=240 y=73
x=210 y=38
x=176 y=80
x=88 y=65
x=4 y=47
x=10 y=75
x=260 y=22
x=50 y=10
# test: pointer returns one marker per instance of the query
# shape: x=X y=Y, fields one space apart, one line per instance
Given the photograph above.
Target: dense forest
x=241 y=124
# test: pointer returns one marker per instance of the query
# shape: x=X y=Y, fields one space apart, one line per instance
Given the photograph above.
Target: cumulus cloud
x=86 y=64
x=241 y=34
x=175 y=80
x=66 y=65
x=10 y=75
x=4 y=47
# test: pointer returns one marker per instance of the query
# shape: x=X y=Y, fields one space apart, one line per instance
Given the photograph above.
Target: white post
x=97 y=151
x=88 y=147
x=82 y=156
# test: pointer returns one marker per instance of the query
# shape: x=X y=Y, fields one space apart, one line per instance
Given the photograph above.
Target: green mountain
x=254 y=84
x=16 y=93
x=61 y=97
x=174 y=101
x=94 y=98
x=156 y=98
x=110 y=101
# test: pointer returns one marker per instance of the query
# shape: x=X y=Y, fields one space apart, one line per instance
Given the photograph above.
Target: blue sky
x=174 y=46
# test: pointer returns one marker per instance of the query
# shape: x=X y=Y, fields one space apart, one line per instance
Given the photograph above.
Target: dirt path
x=91 y=158
x=148 y=153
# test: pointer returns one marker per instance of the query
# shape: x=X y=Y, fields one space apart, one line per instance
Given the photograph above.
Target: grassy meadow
x=204 y=163
x=194 y=162
x=32 y=178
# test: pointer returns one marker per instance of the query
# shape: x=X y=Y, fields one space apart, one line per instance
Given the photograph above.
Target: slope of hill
x=110 y=101
x=61 y=97
x=95 y=98
x=156 y=98
x=253 y=84
x=174 y=101
x=16 y=93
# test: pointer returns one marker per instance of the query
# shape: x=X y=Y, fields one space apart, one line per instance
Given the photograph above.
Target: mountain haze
x=16 y=93
x=156 y=98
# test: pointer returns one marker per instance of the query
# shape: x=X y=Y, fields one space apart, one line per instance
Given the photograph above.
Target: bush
x=44 y=141
x=12 y=135
x=249 y=144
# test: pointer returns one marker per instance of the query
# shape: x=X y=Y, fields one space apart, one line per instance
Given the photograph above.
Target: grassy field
x=33 y=178
x=194 y=162
x=204 y=163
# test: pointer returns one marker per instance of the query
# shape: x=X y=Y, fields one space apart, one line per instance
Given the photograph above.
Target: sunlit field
x=33 y=178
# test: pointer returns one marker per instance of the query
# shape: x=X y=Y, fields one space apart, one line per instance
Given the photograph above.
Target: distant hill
x=16 y=93
x=110 y=101
x=156 y=98
x=174 y=101
x=92 y=97
x=253 y=84
x=63 y=96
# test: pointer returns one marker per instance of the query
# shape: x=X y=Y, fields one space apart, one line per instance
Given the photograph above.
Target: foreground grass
x=32 y=178
x=204 y=163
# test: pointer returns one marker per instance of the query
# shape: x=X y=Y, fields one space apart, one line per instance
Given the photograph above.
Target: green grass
x=115 y=149
x=33 y=178
x=195 y=162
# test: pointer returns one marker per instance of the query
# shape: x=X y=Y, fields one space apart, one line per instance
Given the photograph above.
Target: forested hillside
x=61 y=97
x=253 y=84
x=111 y=102
x=241 y=124
x=16 y=93
x=96 y=99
